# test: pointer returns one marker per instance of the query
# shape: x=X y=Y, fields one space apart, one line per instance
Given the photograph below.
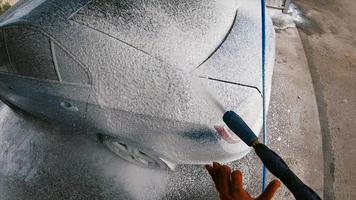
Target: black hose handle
x=276 y=165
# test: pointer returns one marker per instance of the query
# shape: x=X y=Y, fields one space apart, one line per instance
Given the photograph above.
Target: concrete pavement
x=293 y=117
x=328 y=32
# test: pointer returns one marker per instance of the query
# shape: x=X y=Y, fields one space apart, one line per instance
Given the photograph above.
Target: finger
x=216 y=165
x=270 y=190
x=210 y=169
x=223 y=179
x=236 y=181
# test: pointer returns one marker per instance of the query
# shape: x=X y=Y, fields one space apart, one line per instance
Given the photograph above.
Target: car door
x=40 y=77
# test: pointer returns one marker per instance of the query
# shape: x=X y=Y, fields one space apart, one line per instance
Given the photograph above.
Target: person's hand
x=230 y=187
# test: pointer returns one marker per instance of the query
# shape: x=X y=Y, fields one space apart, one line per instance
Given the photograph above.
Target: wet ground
x=330 y=47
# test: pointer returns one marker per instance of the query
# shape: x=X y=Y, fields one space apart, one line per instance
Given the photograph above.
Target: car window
x=69 y=69
x=4 y=58
x=30 y=53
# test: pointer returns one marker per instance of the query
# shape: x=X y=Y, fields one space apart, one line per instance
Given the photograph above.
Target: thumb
x=270 y=190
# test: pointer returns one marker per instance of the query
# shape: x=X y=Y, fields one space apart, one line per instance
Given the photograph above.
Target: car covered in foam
x=135 y=73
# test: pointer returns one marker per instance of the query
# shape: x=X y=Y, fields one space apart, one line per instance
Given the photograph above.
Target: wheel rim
x=134 y=153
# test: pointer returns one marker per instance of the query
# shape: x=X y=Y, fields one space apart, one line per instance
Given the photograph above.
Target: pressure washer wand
x=274 y=163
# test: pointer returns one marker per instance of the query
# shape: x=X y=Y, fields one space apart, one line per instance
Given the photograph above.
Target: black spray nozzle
x=239 y=127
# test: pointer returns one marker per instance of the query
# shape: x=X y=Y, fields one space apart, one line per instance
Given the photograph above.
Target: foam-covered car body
x=137 y=70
